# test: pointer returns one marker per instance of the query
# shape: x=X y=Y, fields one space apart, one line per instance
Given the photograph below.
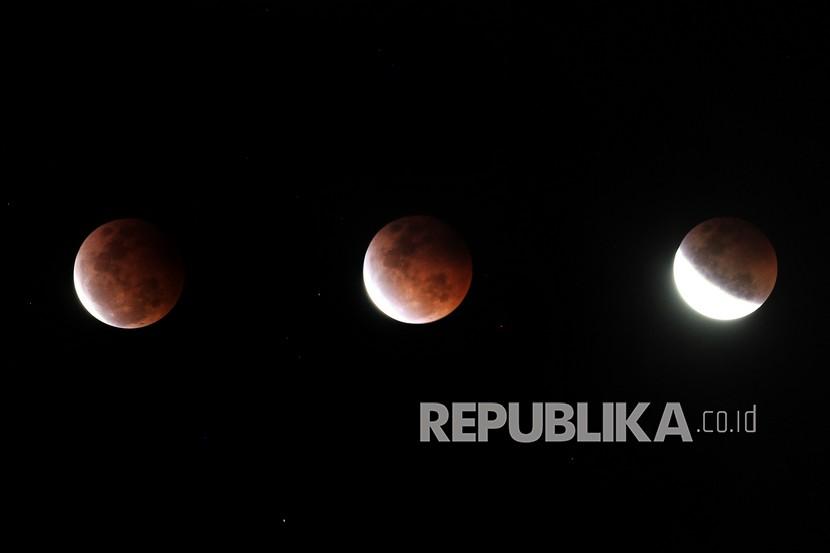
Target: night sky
x=572 y=147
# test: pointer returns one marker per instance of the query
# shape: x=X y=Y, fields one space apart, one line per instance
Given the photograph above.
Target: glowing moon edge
x=92 y=308
x=381 y=301
x=705 y=297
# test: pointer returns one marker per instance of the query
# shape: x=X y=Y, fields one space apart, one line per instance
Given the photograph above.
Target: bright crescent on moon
x=705 y=297
x=92 y=307
x=380 y=300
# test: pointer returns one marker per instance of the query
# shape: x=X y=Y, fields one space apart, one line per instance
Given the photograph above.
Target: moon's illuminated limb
x=94 y=309
x=705 y=297
x=86 y=301
x=379 y=298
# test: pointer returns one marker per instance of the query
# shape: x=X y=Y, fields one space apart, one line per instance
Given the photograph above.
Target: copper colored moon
x=127 y=274
x=725 y=268
x=417 y=270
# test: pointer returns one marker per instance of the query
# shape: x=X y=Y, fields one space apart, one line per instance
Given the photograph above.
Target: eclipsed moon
x=417 y=270
x=725 y=268
x=127 y=274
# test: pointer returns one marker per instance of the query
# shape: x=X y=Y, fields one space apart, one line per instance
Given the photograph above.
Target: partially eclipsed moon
x=127 y=274
x=725 y=268
x=417 y=270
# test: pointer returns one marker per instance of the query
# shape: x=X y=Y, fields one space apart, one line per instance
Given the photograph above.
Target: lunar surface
x=725 y=268
x=417 y=270
x=127 y=274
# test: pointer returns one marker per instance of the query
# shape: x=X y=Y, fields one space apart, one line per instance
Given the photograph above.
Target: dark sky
x=571 y=146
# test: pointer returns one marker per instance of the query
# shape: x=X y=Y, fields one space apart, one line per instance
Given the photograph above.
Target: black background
x=572 y=146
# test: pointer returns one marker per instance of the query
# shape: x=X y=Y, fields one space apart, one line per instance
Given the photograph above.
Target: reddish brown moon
x=128 y=274
x=725 y=268
x=417 y=270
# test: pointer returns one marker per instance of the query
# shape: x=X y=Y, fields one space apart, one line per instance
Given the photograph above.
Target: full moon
x=417 y=270
x=127 y=274
x=725 y=268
